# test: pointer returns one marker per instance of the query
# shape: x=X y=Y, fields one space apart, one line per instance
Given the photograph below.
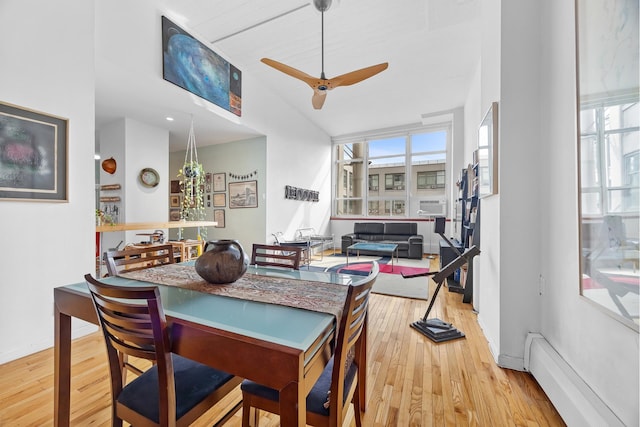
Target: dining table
x=272 y=342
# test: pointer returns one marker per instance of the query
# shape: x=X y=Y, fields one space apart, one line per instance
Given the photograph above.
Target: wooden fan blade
x=358 y=75
x=318 y=98
x=290 y=71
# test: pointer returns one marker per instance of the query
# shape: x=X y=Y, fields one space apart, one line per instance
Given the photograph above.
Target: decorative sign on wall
x=295 y=193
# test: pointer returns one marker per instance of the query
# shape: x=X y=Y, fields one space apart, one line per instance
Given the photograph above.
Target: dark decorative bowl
x=223 y=261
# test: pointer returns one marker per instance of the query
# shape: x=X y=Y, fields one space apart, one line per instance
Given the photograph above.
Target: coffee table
x=378 y=247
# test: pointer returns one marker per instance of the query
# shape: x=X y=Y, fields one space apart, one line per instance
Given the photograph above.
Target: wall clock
x=149 y=177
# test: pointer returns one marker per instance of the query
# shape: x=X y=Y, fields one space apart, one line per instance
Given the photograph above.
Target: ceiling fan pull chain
x=322 y=43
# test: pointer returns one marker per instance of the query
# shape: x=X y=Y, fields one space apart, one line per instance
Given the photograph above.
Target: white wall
x=488 y=274
x=529 y=275
x=520 y=174
x=600 y=349
x=297 y=154
x=135 y=146
x=47 y=65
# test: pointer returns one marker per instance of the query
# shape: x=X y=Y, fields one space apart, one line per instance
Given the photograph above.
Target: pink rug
x=363 y=268
x=589 y=283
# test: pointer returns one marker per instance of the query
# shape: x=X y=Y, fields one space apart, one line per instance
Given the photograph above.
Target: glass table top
x=292 y=327
x=365 y=246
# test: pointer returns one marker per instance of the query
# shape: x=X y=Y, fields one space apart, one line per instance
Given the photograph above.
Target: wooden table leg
x=62 y=369
x=293 y=414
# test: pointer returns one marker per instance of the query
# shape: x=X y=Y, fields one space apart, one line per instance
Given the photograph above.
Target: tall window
x=399 y=169
x=374 y=184
x=609 y=155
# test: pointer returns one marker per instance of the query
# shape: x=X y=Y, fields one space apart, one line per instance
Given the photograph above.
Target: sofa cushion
x=371 y=231
x=402 y=229
x=396 y=237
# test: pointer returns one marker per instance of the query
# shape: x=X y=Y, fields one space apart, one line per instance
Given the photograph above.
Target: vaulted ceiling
x=432 y=47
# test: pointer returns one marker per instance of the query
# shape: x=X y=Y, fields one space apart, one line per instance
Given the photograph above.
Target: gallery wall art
x=243 y=194
x=194 y=67
x=33 y=155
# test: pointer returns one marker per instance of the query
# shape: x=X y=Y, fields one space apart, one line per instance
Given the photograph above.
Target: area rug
x=363 y=268
x=388 y=282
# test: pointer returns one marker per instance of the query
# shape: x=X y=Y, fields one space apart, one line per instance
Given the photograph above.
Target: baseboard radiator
x=577 y=404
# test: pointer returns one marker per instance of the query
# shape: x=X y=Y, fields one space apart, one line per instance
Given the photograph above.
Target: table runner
x=304 y=294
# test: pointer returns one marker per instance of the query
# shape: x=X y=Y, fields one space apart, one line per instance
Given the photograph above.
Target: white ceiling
x=432 y=47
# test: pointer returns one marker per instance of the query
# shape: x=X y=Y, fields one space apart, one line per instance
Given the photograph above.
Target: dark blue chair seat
x=316 y=398
x=193 y=381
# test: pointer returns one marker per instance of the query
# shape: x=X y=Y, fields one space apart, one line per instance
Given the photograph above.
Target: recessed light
x=169 y=119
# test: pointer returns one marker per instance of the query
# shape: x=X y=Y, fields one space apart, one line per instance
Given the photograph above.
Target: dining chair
x=304 y=242
x=276 y=256
x=138 y=258
x=175 y=390
x=132 y=259
x=337 y=387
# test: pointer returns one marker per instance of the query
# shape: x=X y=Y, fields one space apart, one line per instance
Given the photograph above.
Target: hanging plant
x=192 y=180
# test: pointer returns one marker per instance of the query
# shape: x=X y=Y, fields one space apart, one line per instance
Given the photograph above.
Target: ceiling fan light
x=322 y=5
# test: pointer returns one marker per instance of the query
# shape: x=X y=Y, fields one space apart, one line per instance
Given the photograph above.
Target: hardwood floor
x=411 y=380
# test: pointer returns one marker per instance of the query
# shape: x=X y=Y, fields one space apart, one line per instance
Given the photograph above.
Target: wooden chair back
x=350 y=350
x=348 y=358
x=136 y=328
x=138 y=258
x=134 y=324
x=276 y=256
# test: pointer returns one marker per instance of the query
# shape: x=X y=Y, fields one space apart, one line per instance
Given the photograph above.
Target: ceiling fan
x=321 y=85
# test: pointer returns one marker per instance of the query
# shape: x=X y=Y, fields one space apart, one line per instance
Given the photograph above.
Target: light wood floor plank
x=412 y=381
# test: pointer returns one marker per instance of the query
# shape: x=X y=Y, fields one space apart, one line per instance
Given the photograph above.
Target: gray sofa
x=404 y=234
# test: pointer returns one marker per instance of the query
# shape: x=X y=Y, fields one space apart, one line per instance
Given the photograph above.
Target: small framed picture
x=219 y=182
x=218 y=216
x=175 y=186
x=207 y=183
x=174 y=201
x=219 y=200
x=174 y=215
x=243 y=194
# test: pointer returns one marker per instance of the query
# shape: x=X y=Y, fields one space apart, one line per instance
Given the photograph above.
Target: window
x=609 y=155
x=394 y=181
x=373 y=182
x=411 y=162
x=350 y=168
x=430 y=179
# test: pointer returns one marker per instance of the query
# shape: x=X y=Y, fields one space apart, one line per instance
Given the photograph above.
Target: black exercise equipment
x=436 y=329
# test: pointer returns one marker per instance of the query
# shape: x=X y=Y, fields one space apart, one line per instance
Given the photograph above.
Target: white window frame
x=364 y=138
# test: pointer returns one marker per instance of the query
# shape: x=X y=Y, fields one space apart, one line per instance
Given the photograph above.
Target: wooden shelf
x=153 y=225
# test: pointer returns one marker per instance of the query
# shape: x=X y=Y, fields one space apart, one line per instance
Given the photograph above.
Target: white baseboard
x=510 y=362
x=574 y=400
